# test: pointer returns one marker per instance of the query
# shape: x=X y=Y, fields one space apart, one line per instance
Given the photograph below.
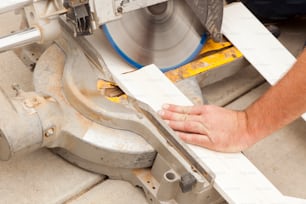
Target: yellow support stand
x=212 y=56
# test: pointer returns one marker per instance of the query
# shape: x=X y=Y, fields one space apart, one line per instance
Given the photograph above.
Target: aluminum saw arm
x=69 y=113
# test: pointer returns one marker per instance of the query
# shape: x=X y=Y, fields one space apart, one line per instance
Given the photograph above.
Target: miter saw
x=78 y=110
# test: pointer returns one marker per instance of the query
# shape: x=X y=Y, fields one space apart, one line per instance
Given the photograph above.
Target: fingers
x=196 y=139
x=189 y=127
x=168 y=115
x=173 y=116
x=188 y=124
x=193 y=110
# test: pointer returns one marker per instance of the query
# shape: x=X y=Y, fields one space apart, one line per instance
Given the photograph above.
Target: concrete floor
x=42 y=177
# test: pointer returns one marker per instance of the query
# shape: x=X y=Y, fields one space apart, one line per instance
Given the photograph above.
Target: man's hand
x=232 y=131
x=209 y=126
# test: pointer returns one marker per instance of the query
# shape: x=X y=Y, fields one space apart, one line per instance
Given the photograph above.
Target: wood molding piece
x=236 y=178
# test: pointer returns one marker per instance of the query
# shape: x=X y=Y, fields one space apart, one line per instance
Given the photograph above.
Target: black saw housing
x=210 y=14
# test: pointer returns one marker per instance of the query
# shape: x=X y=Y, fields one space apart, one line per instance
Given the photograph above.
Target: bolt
x=17 y=89
x=187 y=182
x=31 y=102
x=120 y=9
x=217 y=37
x=50 y=132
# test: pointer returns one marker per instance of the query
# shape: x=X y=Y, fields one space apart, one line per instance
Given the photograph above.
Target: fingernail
x=166 y=106
x=161 y=112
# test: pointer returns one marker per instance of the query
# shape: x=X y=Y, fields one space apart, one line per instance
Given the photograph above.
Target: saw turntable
x=82 y=108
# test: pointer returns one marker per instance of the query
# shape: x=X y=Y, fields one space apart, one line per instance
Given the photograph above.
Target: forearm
x=281 y=104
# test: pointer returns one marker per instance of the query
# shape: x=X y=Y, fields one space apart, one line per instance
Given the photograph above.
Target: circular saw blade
x=167 y=35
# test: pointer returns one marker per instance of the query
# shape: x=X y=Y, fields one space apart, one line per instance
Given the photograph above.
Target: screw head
x=50 y=132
